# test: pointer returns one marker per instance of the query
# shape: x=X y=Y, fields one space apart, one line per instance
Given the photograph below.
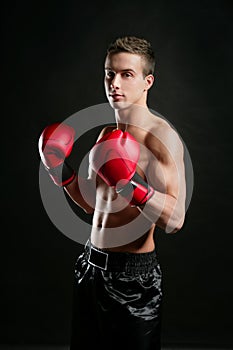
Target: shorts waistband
x=120 y=261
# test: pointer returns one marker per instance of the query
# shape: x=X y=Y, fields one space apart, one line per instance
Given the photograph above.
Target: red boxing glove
x=55 y=145
x=114 y=158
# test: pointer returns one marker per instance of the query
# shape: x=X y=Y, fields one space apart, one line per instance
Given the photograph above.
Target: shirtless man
x=136 y=182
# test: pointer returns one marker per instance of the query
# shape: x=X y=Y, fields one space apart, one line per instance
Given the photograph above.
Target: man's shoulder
x=163 y=133
x=159 y=127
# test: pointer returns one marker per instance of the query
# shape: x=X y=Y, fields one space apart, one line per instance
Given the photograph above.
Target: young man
x=136 y=182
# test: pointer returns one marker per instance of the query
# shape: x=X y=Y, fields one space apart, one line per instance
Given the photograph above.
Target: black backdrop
x=52 y=66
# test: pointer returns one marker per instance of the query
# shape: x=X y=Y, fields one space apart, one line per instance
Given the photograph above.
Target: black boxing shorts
x=116 y=301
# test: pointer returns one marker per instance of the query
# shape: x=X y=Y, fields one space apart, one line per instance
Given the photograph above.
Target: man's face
x=124 y=80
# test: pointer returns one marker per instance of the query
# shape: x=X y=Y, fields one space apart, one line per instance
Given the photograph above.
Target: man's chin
x=120 y=105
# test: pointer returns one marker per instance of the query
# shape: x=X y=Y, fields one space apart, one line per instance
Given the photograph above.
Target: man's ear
x=149 y=80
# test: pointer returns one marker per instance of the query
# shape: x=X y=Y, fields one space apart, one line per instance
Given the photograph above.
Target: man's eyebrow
x=128 y=70
x=121 y=70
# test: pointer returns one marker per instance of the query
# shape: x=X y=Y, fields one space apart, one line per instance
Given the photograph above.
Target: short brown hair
x=135 y=45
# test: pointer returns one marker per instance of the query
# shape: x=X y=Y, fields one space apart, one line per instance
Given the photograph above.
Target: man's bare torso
x=114 y=220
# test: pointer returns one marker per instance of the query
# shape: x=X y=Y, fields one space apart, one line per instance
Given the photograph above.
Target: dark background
x=52 y=66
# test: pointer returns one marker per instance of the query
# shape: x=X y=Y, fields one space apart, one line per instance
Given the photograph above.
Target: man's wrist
x=62 y=175
x=136 y=191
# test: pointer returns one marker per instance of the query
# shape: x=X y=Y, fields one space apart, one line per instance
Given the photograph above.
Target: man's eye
x=110 y=74
x=127 y=74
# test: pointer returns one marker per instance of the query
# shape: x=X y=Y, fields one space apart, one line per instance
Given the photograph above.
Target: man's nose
x=115 y=82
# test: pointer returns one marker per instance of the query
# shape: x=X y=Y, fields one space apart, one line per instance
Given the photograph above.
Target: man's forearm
x=165 y=211
x=82 y=192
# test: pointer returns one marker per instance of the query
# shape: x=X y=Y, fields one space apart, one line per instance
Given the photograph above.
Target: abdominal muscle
x=119 y=227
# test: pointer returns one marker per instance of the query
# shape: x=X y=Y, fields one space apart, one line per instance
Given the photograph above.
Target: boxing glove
x=114 y=158
x=55 y=145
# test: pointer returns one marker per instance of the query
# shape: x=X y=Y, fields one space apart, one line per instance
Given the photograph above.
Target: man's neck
x=132 y=115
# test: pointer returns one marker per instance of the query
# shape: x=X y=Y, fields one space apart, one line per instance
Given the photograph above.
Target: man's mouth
x=116 y=96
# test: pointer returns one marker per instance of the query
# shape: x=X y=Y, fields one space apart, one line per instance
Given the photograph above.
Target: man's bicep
x=169 y=170
x=174 y=176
